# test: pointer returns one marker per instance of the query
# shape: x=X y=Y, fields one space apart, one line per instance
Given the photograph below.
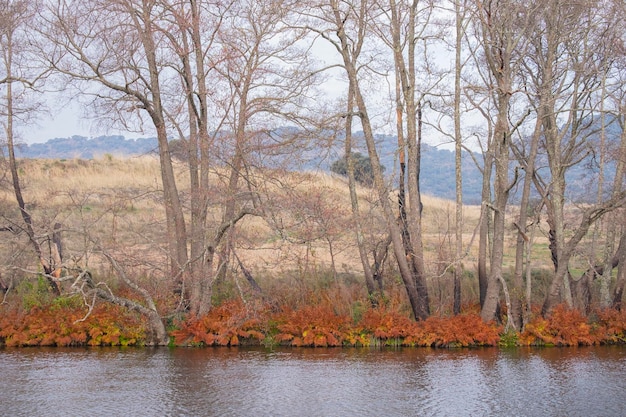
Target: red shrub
x=314 y=325
x=611 y=326
x=63 y=326
x=456 y=331
x=564 y=327
x=222 y=326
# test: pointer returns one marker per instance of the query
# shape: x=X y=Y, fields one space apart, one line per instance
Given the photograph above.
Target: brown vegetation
x=311 y=295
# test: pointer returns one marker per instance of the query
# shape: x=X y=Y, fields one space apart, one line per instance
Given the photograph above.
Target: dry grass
x=88 y=175
x=118 y=203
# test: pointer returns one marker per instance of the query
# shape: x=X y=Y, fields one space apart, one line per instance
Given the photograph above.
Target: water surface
x=313 y=382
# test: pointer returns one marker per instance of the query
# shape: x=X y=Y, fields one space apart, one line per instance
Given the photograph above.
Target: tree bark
x=368 y=273
x=16 y=17
x=524 y=243
x=411 y=221
x=499 y=43
x=459 y=12
x=618 y=292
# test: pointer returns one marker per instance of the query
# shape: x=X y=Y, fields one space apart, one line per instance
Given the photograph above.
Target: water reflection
x=314 y=382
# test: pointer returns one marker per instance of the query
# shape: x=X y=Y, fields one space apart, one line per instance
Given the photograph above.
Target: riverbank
x=315 y=324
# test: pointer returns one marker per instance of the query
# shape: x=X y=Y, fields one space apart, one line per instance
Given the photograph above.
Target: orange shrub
x=229 y=324
x=386 y=324
x=313 y=325
x=457 y=331
x=564 y=327
x=393 y=327
x=62 y=326
x=611 y=326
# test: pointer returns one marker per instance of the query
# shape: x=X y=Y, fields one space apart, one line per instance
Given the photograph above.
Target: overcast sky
x=62 y=124
x=66 y=122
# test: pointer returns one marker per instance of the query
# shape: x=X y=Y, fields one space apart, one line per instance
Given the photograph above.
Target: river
x=589 y=381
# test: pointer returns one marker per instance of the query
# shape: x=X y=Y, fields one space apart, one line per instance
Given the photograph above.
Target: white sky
x=66 y=122
x=69 y=119
x=61 y=124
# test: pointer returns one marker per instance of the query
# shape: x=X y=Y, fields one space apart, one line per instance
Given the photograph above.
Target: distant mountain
x=437 y=177
x=87 y=148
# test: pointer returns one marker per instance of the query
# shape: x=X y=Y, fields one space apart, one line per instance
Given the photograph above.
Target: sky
x=69 y=119
x=61 y=124
x=65 y=120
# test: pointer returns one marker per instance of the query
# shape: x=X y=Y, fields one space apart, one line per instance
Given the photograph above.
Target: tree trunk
x=459 y=12
x=45 y=261
x=562 y=276
x=523 y=241
x=420 y=311
x=501 y=143
x=368 y=273
x=410 y=203
x=177 y=238
x=618 y=292
x=484 y=243
x=349 y=49
x=158 y=334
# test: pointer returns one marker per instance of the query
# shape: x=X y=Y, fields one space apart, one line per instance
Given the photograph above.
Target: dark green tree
x=362 y=168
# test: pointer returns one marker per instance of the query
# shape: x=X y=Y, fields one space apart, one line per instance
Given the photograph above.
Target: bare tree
x=567 y=61
x=527 y=157
x=370 y=272
x=268 y=79
x=371 y=269
x=192 y=36
x=219 y=76
x=408 y=24
x=618 y=97
x=500 y=25
x=114 y=49
x=614 y=90
x=460 y=10
x=345 y=26
x=121 y=52
x=15 y=19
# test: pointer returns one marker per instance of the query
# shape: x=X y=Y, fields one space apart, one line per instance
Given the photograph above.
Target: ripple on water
x=313 y=382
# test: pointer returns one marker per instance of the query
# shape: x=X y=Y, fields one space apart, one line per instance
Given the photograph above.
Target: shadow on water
x=314 y=382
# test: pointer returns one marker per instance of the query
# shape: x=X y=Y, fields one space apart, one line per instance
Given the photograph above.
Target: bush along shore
x=66 y=322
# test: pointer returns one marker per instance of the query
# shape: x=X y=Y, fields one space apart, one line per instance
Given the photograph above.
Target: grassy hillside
x=305 y=235
x=118 y=203
x=301 y=252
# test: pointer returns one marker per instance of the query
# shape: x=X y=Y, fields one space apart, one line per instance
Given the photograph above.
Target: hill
x=87 y=148
x=437 y=177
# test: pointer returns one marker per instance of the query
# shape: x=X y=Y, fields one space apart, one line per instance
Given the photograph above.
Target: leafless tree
x=405 y=27
x=460 y=12
x=500 y=26
x=268 y=80
x=115 y=49
x=218 y=76
x=567 y=61
x=20 y=77
x=345 y=25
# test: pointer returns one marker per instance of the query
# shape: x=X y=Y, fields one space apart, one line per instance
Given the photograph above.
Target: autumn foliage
x=568 y=327
x=316 y=324
x=56 y=325
x=320 y=325
x=230 y=324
